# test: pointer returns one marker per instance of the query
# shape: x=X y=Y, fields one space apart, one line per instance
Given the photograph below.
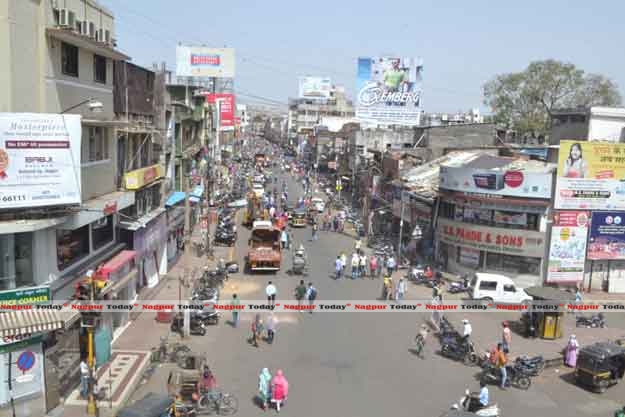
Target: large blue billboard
x=607 y=235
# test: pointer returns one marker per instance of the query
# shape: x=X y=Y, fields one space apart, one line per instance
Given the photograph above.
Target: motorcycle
x=462 y=350
x=517 y=377
x=224 y=238
x=196 y=326
x=207 y=317
x=471 y=404
x=459 y=286
x=531 y=366
x=595 y=321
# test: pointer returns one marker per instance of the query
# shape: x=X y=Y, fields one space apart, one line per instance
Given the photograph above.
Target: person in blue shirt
x=483 y=395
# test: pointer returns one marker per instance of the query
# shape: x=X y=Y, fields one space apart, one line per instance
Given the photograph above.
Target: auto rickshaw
x=157 y=405
x=299 y=218
x=600 y=365
x=299 y=261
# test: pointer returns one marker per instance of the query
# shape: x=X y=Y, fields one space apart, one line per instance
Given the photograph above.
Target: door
x=121 y=159
x=509 y=293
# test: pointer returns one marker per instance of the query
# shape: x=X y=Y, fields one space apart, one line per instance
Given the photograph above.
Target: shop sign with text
x=492 y=239
x=139 y=178
x=567 y=253
x=22 y=296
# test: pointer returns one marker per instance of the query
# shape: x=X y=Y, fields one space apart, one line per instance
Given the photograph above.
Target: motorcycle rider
x=207 y=384
x=466 y=331
x=484 y=397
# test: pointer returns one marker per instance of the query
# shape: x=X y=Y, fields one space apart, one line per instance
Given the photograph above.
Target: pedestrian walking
x=400 y=291
x=284 y=238
x=314 y=230
x=279 y=389
x=271 y=324
x=300 y=293
x=570 y=357
x=271 y=291
x=264 y=388
x=363 y=265
x=373 y=266
x=235 y=303
x=506 y=337
x=84 y=378
x=338 y=267
x=344 y=260
x=390 y=265
x=311 y=296
x=358 y=245
x=502 y=360
x=257 y=330
x=355 y=265
x=379 y=266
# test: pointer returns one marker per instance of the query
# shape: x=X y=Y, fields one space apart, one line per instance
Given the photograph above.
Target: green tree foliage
x=525 y=100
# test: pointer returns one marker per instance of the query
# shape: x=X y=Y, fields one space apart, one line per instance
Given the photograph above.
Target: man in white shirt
x=271 y=291
x=84 y=378
x=467 y=329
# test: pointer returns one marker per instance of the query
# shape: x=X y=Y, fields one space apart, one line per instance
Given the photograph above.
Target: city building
x=305 y=113
x=446 y=119
x=492 y=216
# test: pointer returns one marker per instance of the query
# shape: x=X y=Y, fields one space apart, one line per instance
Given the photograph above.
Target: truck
x=254 y=210
x=264 y=252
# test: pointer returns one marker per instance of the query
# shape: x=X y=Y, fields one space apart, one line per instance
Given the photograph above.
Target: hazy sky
x=462 y=44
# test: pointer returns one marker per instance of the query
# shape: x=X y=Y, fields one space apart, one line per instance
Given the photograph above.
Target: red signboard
x=226 y=109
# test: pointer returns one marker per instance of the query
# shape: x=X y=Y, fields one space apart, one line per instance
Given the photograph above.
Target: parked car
x=497 y=288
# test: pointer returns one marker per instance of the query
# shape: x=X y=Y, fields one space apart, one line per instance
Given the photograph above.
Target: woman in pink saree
x=279 y=389
x=570 y=357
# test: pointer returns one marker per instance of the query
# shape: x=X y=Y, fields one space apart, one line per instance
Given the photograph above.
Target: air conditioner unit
x=99 y=35
x=107 y=37
x=92 y=30
x=84 y=28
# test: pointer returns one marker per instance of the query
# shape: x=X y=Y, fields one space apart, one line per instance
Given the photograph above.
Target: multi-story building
x=68 y=68
x=305 y=114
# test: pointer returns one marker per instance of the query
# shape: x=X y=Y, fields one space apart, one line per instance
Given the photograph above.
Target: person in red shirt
x=207 y=384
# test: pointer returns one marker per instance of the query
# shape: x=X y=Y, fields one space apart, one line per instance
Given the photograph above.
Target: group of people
x=391 y=291
x=272 y=390
x=362 y=267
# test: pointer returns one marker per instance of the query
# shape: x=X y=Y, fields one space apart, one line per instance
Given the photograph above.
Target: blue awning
x=175 y=198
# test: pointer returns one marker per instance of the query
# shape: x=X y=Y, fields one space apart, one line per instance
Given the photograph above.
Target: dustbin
x=165 y=316
x=551 y=326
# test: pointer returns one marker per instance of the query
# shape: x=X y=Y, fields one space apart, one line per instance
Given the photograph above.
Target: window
x=488 y=285
x=69 y=59
x=71 y=246
x=513 y=264
x=98 y=143
x=16 y=263
x=509 y=288
x=99 y=69
x=102 y=232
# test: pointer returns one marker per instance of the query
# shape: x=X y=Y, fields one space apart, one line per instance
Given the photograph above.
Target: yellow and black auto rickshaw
x=600 y=366
x=299 y=218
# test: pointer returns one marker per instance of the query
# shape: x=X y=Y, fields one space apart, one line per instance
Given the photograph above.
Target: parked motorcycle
x=471 y=404
x=207 y=317
x=531 y=366
x=460 y=350
x=517 y=377
x=459 y=286
x=225 y=238
x=595 y=321
x=196 y=326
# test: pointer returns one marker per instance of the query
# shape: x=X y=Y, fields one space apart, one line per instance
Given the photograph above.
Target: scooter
x=459 y=350
x=595 y=321
x=459 y=286
x=470 y=403
x=207 y=317
x=196 y=327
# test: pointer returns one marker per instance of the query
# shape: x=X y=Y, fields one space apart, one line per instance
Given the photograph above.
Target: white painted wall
x=606 y=124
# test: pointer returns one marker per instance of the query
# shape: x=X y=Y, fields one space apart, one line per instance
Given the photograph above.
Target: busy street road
x=361 y=364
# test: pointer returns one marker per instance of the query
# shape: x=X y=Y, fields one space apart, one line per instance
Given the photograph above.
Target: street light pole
x=401 y=228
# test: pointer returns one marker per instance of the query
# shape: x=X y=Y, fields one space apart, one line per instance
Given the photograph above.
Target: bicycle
x=219 y=403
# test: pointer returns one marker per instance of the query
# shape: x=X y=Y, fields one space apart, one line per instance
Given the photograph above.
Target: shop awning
x=134 y=225
x=16 y=323
x=175 y=198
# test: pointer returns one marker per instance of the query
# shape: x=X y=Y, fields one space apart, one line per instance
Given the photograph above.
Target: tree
x=525 y=100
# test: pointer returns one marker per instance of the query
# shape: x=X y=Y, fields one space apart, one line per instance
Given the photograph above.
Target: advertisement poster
x=510 y=217
x=200 y=61
x=568 y=246
x=507 y=183
x=470 y=257
x=39 y=160
x=226 y=109
x=473 y=215
x=315 y=88
x=389 y=90
x=607 y=235
x=591 y=176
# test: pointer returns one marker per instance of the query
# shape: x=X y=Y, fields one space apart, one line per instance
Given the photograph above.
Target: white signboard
x=315 y=87
x=200 y=61
x=512 y=183
x=39 y=160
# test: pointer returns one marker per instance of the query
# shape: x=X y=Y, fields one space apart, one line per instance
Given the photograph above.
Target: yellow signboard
x=590 y=175
x=135 y=180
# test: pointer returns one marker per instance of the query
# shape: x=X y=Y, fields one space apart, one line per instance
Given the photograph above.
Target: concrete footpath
x=131 y=353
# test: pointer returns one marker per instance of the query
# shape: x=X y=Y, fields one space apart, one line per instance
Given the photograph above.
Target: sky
x=462 y=44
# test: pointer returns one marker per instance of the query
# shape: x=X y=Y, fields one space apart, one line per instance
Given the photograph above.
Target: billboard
x=511 y=183
x=39 y=160
x=200 y=61
x=389 y=90
x=591 y=176
x=226 y=109
x=315 y=87
x=568 y=246
x=607 y=235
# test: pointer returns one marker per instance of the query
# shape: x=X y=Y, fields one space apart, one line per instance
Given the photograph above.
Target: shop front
x=466 y=248
x=175 y=233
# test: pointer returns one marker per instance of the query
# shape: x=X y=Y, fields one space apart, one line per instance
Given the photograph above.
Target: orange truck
x=264 y=253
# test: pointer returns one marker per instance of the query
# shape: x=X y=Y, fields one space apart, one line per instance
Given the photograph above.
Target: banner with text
x=39 y=160
x=200 y=61
x=607 y=235
x=389 y=90
x=315 y=88
x=226 y=109
x=591 y=176
x=568 y=246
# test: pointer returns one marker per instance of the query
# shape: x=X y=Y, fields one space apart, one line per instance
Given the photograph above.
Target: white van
x=497 y=288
